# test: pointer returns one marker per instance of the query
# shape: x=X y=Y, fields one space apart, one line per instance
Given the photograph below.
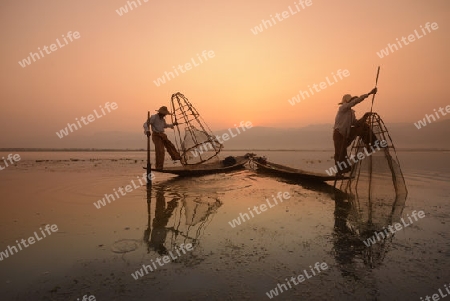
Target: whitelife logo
x=411 y=38
x=390 y=231
x=204 y=147
x=167 y=76
x=11 y=250
x=319 y=87
x=86 y=120
x=265 y=24
x=123 y=191
x=423 y=122
x=436 y=296
x=280 y=288
x=242 y=216
x=53 y=47
x=342 y=165
x=11 y=158
x=181 y=250
x=124 y=9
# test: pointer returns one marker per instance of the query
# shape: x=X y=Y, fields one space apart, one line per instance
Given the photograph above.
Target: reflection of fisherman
x=346 y=243
x=347 y=127
x=156 y=238
x=159 y=138
x=350 y=235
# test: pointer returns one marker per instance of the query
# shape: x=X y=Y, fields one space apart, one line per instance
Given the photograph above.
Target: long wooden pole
x=149 y=164
x=370 y=158
x=376 y=83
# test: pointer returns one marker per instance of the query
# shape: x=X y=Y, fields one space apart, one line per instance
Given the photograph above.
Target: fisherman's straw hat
x=346 y=98
x=163 y=110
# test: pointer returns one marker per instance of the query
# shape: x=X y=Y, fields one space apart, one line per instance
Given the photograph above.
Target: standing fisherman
x=347 y=128
x=159 y=138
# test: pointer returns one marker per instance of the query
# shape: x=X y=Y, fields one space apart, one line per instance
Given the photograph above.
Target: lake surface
x=97 y=250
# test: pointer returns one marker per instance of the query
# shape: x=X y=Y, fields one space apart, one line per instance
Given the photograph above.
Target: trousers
x=163 y=143
x=361 y=129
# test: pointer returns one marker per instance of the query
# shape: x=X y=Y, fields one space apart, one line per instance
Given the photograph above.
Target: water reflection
x=356 y=220
x=156 y=232
x=177 y=216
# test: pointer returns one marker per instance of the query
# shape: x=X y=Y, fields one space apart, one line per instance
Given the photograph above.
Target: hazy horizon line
x=35 y=149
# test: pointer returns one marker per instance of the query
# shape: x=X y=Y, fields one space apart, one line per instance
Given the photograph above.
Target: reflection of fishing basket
x=198 y=210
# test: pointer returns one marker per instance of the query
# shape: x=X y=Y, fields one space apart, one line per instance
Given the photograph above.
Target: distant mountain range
x=314 y=137
x=319 y=137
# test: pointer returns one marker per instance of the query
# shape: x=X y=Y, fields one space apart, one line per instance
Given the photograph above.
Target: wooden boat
x=291 y=173
x=205 y=168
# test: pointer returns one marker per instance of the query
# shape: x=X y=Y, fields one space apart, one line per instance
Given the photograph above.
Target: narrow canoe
x=206 y=168
x=292 y=173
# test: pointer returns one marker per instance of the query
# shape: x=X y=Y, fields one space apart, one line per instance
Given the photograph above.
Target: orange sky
x=250 y=78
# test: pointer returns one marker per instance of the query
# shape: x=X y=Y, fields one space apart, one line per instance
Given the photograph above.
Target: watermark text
x=243 y=217
x=11 y=250
x=343 y=165
x=86 y=120
x=391 y=229
x=180 y=250
x=341 y=74
x=208 y=145
x=11 y=158
x=423 y=122
x=391 y=48
x=123 y=191
x=49 y=49
x=313 y=271
x=167 y=76
x=265 y=24
x=130 y=4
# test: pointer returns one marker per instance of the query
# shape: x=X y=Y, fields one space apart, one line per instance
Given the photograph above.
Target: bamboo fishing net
x=376 y=184
x=373 y=197
x=193 y=138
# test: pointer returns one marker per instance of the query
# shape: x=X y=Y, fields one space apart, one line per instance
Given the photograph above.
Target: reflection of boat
x=289 y=172
x=206 y=168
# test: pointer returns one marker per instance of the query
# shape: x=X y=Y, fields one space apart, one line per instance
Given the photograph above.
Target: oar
x=149 y=164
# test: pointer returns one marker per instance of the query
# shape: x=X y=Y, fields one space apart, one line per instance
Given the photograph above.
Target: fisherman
x=159 y=138
x=347 y=128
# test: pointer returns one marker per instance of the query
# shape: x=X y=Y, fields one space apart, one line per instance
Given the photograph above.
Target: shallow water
x=95 y=250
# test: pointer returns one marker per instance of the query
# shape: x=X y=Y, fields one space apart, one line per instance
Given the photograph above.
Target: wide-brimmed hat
x=163 y=110
x=346 y=98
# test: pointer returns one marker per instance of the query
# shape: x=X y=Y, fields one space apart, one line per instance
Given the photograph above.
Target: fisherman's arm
x=146 y=129
x=150 y=121
x=355 y=101
x=166 y=125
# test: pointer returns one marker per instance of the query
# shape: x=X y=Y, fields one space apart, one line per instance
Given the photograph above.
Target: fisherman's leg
x=171 y=149
x=363 y=130
x=340 y=152
x=353 y=133
x=159 y=151
x=337 y=139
